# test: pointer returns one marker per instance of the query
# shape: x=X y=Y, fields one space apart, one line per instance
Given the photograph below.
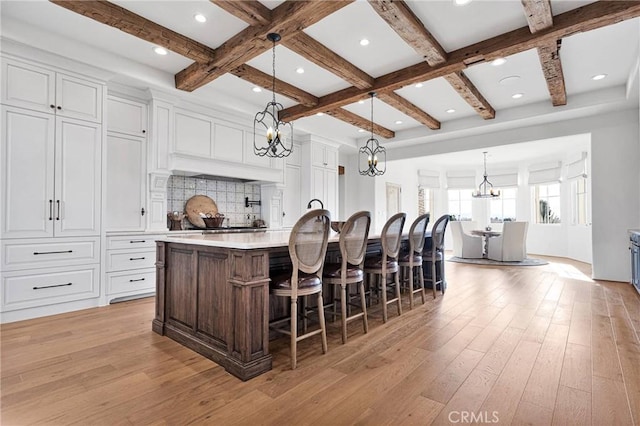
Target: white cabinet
x=41 y=89
x=321 y=160
x=292 y=208
x=130 y=265
x=324 y=156
x=51 y=175
x=126 y=165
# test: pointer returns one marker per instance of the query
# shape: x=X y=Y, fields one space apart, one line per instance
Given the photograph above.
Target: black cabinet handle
x=58 y=205
x=52 y=252
x=52 y=106
x=142 y=212
x=137 y=241
x=136 y=258
x=139 y=279
x=52 y=286
x=144 y=131
x=50 y=209
x=59 y=107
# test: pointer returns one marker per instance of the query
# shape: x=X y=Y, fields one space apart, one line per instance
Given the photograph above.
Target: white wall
x=615 y=185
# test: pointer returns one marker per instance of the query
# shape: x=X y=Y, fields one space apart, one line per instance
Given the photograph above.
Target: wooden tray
x=199 y=204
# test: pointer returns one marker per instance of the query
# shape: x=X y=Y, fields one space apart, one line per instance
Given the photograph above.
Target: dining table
x=486 y=234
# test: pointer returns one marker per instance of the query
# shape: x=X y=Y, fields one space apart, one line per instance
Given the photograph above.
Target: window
x=425 y=200
x=579 y=202
x=503 y=208
x=547 y=203
x=460 y=203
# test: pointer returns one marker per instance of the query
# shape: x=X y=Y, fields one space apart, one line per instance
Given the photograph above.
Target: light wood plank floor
x=507 y=345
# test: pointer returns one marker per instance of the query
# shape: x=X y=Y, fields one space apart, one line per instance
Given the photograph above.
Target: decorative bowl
x=213 y=222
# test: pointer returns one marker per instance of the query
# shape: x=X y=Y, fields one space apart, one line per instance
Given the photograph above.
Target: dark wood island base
x=215 y=301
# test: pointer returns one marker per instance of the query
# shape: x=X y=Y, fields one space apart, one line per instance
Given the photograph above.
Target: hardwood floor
x=507 y=345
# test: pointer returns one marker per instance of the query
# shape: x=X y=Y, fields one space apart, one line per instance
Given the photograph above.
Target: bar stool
x=307 y=249
x=353 y=247
x=435 y=255
x=411 y=260
x=387 y=262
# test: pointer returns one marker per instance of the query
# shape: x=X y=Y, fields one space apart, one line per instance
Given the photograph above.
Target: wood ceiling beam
x=320 y=55
x=360 y=122
x=287 y=19
x=406 y=107
x=250 y=11
x=124 y=20
x=409 y=27
x=259 y=78
x=468 y=91
x=540 y=18
x=586 y=18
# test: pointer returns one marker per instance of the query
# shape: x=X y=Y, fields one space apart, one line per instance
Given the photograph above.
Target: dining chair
x=386 y=263
x=353 y=246
x=511 y=246
x=307 y=248
x=464 y=245
x=434 y=256
x=411 y=260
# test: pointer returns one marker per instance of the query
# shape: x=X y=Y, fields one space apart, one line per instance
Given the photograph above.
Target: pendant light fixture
x=272 y=137
x=485 y=189
x=373 y=157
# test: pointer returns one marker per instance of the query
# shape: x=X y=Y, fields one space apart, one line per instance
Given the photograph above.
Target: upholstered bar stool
x=411 y=260
x=435 y=255
x=353 y=247
x=387 y=262
x=307 y=249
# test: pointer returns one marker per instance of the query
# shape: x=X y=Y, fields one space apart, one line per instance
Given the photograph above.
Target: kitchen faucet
x=315 y=199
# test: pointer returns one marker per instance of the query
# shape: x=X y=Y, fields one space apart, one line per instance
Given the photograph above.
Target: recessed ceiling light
x=200 y=17
x=398 y=121
x=160 y=50
x=361 y=130
x=257 y=89
x=364 y=42
x=517 y=95
x=598 y=77
x=360 y=102
x=498 y=61
x=507 y=81
x=419 y=85
x=320 y=114
x=300 y=70
x=461 y=2
x=450 y=111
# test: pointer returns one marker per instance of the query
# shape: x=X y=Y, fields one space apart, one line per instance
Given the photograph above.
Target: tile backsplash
x=228 y=195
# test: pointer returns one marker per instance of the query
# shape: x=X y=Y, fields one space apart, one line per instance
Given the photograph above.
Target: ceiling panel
x=238 y=88
x=436 y=97
x=383 y=115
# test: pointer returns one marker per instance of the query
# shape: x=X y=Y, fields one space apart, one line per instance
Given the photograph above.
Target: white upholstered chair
x=511 y=246
x=465 y=245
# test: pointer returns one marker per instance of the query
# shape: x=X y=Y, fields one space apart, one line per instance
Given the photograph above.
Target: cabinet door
x=28 y=86
x=331 y=192
x=291 y=195
x=125 y=186
x=228 y=143
x=78 y=98
x=318 y=186
x=125 y=116
x=317 y=155
x=27 y=173
x=77 y=177
x=331 y=158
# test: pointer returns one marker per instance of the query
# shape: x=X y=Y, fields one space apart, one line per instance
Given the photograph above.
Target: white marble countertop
x=244 y=241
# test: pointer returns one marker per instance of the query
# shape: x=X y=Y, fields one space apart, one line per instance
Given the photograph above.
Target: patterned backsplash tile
x=228 y=195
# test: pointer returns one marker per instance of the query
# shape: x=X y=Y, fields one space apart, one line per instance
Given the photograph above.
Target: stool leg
x=343 y=310
x=384 y=294
x=334 y=293
x=363 y=302
x=399 y=302
x=421 y=280
x=410 y=269
x=433 y=277
x=294 y=331
x=305 y=322
x=323 y=326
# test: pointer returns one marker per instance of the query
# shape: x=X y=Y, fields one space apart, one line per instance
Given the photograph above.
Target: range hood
x=193 y=166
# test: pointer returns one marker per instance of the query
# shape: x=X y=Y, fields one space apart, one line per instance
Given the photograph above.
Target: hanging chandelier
x=485 y=189
x=374 y=154
x=277 y=139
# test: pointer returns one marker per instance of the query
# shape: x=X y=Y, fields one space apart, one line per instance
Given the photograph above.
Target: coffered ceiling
x=428 y=61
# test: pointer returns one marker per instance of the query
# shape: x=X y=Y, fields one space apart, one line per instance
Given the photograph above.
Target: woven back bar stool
x=411 y=260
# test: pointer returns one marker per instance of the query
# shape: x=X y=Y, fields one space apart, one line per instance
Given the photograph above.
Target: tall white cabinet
x=51 y=159
x=320 y=160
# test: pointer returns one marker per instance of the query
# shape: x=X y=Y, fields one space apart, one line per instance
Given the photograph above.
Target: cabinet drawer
x=22 y=289
x=132 y=241
x=23 y=254
x=122 y=260
x=127 y=282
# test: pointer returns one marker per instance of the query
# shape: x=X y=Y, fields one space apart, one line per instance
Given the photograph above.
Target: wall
x=615 y=184
x=228 y=196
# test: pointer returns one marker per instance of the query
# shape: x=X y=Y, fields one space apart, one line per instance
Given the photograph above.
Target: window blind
x=578 y=168
x=429 y=179
x=461 y=179
x=545 y=173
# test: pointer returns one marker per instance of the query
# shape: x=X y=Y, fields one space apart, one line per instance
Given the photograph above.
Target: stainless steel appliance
x=634 y=248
